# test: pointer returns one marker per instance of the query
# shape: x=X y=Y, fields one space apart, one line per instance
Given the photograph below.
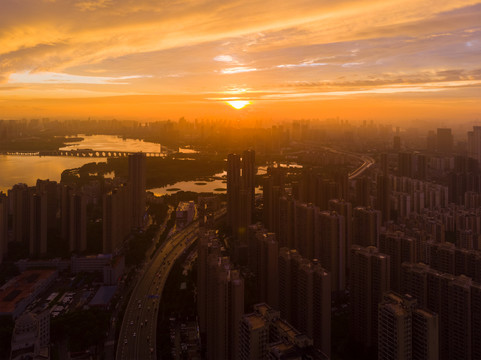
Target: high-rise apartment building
x=265 y=335
x=305 y=229
x=233 y=188
x=249 y=175
x=383 y=196
x=366 y=225
x=240 y=194
x=117 y=218
x=77 y=223
x=65 y=197
x=286 y=234
x=456 y=300
x=474 y=144
x=208 y=244
x=444 y=141
x=267 y=257
x=369 y=279
x=38 y=225
x=305 y=296
x=137 y=188
x=401 y=249
x=344 y=208
x=19 y=196
x=221 y=300
x=405 y=331
x=332 y=241
x=52 y=192
x=3 y=225
x=363 y=191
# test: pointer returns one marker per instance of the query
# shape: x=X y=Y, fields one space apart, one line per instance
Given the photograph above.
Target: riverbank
x=159 y=171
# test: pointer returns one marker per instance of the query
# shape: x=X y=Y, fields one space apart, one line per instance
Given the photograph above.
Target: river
x=27 y=169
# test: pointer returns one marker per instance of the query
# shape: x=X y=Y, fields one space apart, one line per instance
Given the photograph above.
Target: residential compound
x=399 y=244
x=48 y=211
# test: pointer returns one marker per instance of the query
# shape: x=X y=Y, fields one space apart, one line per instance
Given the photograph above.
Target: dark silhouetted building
x=405 y=331
x=137 y=188
x=369 y=280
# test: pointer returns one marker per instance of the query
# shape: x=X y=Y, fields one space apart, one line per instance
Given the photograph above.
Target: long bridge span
x=81 y=153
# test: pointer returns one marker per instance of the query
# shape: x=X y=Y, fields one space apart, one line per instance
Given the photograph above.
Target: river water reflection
x=27 y=169
x=112 y=143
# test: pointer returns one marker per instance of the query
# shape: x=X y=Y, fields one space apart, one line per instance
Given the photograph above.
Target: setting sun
x=238 y=104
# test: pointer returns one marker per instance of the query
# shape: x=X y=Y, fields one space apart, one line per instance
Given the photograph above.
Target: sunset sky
x=153 y=60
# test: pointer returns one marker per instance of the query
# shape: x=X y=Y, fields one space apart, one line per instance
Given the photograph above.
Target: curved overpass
x=367 y=161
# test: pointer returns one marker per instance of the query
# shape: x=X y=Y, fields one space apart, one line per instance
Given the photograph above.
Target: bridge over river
x=81 y=153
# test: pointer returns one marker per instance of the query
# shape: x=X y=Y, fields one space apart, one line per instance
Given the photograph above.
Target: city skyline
x=393 y=61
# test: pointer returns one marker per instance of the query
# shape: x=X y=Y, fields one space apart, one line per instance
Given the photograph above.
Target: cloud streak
x=197 y=47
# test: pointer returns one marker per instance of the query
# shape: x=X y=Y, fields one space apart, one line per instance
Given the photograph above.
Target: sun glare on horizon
x=238 y=104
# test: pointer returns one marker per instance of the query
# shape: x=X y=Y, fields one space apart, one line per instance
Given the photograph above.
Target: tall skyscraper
x=363 y=191
x=77 y=223
x=405 y=331
x=369 y=279
x=249 y=175
x=401 y=249
x=332 y=254
x=254 y=337
x=383 y=196
x=474 y=144
x=444 y=141
x=289 y=263
x=65 y=197
x=3 y=225
x=314 y=313
x=240 y=200
x=52 y=192
x=111 y=222
x=137 y=188
x=225 y=309
x=305 y=229
x=268 y=268
x=38 y=225
x=117 y=217
x=207 y=244
x=456 y=300
x=265 y=335
x=366 y=225
x=220 y=300
x=344 y=208
x=305 y=296
x=233 y=188
x=20 y=200
x=273 y=190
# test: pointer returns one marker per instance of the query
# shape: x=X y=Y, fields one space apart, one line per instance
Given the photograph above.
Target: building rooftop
x=254 y=320
x=103 y=296
x=21 y=287
x=185 y=205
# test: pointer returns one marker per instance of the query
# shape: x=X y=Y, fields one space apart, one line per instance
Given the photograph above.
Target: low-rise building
x=23 y=289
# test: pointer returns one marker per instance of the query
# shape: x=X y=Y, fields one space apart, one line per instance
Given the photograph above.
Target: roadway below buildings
x=109 y=345
x=367 y=161
x=137 y=338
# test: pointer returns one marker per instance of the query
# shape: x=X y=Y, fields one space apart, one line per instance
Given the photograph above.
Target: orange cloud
x=293 y=50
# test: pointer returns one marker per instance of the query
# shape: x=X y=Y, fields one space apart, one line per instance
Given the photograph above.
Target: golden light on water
x=238 y=104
